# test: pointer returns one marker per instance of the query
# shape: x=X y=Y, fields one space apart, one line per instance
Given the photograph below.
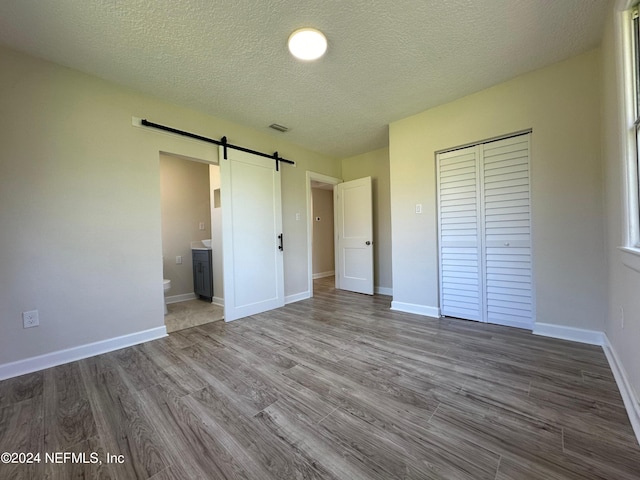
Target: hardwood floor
x=335 y=387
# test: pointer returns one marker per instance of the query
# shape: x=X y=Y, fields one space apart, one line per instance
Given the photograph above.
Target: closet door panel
x=507 y=228
x=459 y=225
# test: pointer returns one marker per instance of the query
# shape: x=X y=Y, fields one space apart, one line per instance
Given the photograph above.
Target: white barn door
x=354 y=228
x=251 y=229
x=484 y=210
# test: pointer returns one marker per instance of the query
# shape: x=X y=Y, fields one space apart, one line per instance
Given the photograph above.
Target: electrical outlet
x=297 y=216
x=201 y=226
x=179 y=260
x=30 y=319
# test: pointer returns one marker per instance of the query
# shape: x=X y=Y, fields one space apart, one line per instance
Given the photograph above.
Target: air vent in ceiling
x=278 y=127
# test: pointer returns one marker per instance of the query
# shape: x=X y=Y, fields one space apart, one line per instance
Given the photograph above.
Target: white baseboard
x=592 y=337
x=297 y=297
x=513 y=323
x=383 y=291
x=425 y=310
x=323 y=274
x=180 y=298
x=218 y=301
x=631 y=402
x=33 y=364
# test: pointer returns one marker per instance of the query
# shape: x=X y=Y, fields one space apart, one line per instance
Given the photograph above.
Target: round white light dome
x=307 y=44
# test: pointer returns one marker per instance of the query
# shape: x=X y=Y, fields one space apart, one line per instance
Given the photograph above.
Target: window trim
x=630 y=82
x=634 y=162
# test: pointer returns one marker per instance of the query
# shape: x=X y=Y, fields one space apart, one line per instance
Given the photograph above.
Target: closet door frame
x=481 y=225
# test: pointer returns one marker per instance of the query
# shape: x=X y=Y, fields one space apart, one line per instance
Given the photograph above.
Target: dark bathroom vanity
x=202 y=274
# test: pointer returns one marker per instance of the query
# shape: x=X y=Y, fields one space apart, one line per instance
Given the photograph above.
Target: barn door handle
x=281 y=246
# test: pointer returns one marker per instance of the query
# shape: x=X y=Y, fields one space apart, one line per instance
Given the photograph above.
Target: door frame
x=318 y=177
x=210 y=163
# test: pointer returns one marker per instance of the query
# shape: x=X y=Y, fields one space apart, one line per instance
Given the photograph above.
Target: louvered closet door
x=507 y=231
x=459 y=226
x=485 y=233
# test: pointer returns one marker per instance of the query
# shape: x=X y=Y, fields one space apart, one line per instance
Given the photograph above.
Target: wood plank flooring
x=335 y=387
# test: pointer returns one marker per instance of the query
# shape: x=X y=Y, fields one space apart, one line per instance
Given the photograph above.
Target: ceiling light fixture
x=307 y=44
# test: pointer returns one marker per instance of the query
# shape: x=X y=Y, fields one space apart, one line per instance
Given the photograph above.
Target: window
x=632 y=88
x=635 y=33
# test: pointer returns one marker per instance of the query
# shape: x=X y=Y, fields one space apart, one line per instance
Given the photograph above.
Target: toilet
x=166 y=283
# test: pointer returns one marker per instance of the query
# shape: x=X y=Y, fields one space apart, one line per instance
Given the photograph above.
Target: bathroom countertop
x=199 y=245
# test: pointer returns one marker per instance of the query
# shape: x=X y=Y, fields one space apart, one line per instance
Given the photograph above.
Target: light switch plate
x=30 y=319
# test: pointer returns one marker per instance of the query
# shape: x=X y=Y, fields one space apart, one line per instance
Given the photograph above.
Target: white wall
x=184 y=194
x=216 y=234
x=561 y=103
x=375 y=164
x=80 y=204
x=624 y=268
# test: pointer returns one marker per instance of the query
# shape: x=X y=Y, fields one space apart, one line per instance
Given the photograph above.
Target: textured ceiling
x=386 y=59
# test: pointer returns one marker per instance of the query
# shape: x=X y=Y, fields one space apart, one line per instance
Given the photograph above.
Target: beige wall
x=80 y=204
x=624 y=268
x=323 y=241
x=376 y=165
x=561 y=103
x=184 y=195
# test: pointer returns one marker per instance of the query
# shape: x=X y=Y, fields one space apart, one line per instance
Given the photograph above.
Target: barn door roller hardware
x=222 y=141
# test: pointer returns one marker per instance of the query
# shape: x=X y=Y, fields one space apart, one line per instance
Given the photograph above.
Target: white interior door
x=251 y=225
x=460 y=233
x=507 y=232
x=354 y=229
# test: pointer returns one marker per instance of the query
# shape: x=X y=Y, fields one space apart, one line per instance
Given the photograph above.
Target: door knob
x=506 y=244
x=367 y=242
